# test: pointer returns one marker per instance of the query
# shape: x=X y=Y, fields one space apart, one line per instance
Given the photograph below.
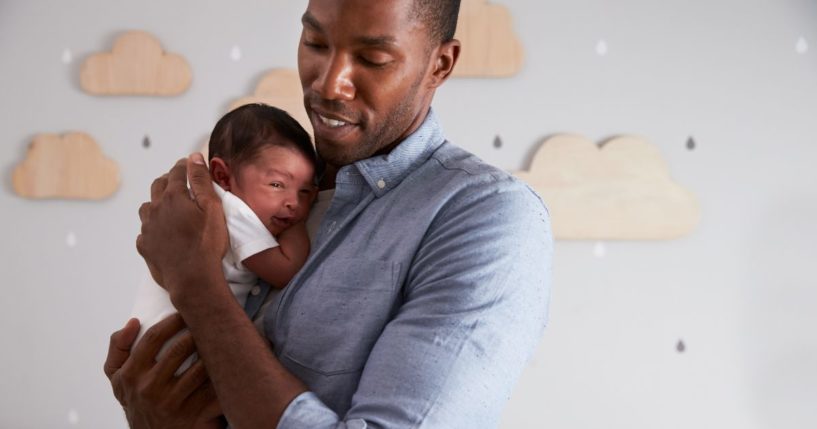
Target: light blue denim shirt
x=425 y=293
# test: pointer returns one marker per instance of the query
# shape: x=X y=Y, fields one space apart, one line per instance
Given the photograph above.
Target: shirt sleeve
x=248 y=235
x=475 y=305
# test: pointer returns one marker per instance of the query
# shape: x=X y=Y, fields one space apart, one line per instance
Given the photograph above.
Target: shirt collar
x=384 y=172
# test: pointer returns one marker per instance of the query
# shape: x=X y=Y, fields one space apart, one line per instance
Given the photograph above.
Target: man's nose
x=335 y=81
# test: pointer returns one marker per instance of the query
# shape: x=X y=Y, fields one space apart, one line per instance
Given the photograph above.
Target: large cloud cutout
x=490 y=48
x=621 y=190
x=280 y=88
x=67 y=166
x=136 y=66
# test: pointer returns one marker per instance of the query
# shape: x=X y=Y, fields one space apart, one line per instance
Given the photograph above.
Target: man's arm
x=278 y=265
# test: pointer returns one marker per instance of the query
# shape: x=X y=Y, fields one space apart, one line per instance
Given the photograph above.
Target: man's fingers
x=140 y=244
x=144 y=354
x=158 y=187
x=119 y=347
x=204 y=399
x=201 y=185
x=177 y=177
x=143 y=212
x=212 y=409
x=190 y=380
x=171 y=358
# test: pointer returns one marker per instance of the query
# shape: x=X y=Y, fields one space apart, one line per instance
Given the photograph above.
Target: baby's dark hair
x=239 y=135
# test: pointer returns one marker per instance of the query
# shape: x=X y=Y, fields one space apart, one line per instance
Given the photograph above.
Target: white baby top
x=248 y=236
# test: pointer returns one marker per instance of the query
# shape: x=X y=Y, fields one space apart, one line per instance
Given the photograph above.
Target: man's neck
x=331 y=171
x=328 y=179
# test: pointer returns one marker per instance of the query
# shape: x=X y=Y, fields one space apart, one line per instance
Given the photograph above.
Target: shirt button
x=255 y=290
x=381 y=183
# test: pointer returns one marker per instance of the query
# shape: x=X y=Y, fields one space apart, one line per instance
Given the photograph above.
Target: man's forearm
x=253 y=388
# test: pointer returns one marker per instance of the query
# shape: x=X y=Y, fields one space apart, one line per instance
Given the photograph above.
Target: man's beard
x=374 y=140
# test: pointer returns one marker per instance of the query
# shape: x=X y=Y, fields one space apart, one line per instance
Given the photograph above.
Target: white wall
x=739 y=292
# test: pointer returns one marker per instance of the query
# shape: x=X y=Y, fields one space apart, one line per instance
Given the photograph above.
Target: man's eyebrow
x=376 y=41
x=308 y=20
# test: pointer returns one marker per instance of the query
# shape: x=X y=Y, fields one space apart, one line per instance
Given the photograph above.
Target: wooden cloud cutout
x=280 y=88
x=621 y=190
x=490 y=48
x=67 y=166
x=136 y=66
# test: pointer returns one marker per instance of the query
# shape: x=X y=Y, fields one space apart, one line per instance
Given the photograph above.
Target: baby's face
x=277 y=185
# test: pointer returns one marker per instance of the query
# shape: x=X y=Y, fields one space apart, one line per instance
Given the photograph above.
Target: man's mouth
x=334 y=115
x=333 y=121
x=331 y=127
x=330 y=122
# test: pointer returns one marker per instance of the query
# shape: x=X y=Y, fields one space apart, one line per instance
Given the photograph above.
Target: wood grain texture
x=621 y=190
x=280 y=88
x=137 y=65
x=490 y=48
x=69 y=166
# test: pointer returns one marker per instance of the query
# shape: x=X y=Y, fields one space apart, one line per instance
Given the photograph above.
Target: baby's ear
x=220 y=172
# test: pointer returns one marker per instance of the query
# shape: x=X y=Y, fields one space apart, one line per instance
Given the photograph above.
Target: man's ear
x=444 y=62
x=220 y=172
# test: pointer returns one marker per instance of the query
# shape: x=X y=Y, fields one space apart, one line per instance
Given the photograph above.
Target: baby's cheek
x=302 y=214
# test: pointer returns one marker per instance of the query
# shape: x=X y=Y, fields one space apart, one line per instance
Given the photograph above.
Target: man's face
x=363 y=66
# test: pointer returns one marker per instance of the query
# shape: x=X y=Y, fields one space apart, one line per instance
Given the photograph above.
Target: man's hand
x=184 y=235
x=148 y=390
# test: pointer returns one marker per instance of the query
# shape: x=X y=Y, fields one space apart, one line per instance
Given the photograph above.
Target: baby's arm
x=278 y=265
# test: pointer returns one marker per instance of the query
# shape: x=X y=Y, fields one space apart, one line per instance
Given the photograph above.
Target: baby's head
x=265 y=157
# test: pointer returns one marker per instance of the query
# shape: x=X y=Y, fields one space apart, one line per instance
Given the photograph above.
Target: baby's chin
x=274 y=230
x=276 y=226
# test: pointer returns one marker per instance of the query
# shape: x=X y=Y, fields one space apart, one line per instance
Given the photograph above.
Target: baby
x=262 y=164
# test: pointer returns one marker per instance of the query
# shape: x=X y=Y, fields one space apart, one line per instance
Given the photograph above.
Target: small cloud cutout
x=621 y=190
x=67 y=166
x=136 y=66
x=280 y=88
x=490 y=48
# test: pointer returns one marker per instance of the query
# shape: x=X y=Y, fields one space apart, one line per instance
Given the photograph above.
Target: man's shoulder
x=468 y=176
x=455 y=158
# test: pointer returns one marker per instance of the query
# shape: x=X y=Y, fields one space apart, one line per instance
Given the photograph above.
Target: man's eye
x=373 y=62
x=314 y=45
x=276 y=185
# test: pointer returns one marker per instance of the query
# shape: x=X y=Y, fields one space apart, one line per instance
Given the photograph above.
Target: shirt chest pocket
x=334 y=318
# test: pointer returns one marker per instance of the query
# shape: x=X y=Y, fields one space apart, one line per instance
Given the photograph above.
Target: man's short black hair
x=240 y=135
x=439 y=16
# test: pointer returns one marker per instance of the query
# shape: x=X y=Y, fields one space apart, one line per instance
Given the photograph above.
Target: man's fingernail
x=197 y=158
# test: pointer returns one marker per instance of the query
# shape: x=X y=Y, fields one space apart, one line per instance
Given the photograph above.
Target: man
x=427 y=285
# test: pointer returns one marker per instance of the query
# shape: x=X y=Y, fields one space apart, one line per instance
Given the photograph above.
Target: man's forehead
x=372 y=21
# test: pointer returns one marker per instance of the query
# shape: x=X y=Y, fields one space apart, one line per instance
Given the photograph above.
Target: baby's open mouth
x=282 y=221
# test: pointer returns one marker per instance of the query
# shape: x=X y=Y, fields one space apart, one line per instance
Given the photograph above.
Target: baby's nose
x=291 y=203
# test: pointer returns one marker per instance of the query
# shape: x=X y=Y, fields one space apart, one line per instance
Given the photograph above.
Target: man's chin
x=332 y=154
